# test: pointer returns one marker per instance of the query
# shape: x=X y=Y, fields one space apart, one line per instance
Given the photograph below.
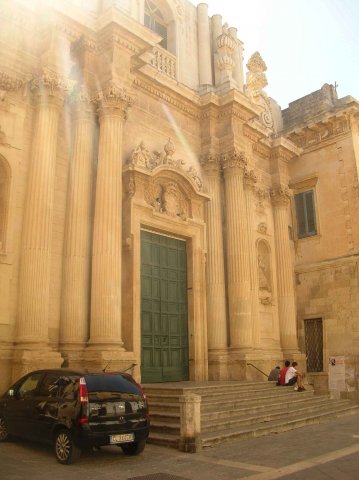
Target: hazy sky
x=305 y=43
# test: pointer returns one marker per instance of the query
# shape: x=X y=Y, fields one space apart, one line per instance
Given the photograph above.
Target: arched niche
x=265 y=272
x=5 y=180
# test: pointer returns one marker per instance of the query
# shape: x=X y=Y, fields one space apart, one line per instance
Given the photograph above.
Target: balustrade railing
x=164 y=62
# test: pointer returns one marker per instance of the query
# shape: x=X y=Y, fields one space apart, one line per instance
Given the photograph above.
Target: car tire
x=66 y=451
x=4 y=434
x=133 y=448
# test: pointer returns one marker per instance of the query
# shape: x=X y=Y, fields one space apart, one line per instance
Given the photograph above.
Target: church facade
x=159 y=212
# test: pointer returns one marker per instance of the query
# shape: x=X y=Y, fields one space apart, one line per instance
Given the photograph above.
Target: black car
x=75 y=410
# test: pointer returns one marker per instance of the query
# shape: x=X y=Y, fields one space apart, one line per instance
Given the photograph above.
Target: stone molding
x=142 y=158
x=281 y=195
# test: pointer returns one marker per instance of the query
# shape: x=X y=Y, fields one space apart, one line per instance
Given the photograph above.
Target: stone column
x=204 y=45
x=216 y=292
x=238 y=265
x=250 y=180
x=74 y=328
x=286 y=293
x=31 y=337
x=238 y=59
x=105 y=328
x=216 y=24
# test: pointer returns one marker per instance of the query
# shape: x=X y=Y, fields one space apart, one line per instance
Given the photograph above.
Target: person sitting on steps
x=293 y=376
x=281 y=379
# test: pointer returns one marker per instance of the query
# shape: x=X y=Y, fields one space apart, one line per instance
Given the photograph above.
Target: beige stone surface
x=170 y=141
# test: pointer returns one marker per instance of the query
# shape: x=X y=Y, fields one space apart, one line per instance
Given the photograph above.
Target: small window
x=154 y=21
x=48 y=386
x=305 y=212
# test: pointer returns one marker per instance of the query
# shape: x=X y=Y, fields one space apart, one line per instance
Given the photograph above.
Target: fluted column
x=74 y=328
x=216 y=293
x=204 y=45
x=105 y=329
x=250 y=180
x=34 y=277
x=286 y=294
x=238 y=265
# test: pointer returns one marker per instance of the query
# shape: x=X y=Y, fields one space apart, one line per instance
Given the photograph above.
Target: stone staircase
x=238 y=410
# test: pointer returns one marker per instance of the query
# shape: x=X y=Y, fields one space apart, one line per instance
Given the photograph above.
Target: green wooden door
x=164 y=336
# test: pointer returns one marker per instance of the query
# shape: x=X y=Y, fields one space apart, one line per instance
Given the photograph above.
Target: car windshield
x=111 y=383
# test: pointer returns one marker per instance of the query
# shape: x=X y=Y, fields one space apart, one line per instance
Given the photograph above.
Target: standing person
x=274 y=374
x=293 y=376
x=281 y=379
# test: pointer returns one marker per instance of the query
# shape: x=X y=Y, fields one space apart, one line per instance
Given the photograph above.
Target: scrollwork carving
x=281 y=195
x=167 y=198
x=234 y=159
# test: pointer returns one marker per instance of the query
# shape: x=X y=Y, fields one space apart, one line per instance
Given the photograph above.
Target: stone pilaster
x=238 y=265
x=286 y=293
x=250 y=180
x=74 y=328
x=105 y=327
x=34 y=278
x=216 y=292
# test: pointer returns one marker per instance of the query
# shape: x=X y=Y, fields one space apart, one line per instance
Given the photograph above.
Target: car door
x=20 y=406
x=46 y=406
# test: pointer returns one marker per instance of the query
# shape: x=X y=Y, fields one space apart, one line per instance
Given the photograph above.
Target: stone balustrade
x=164 y=62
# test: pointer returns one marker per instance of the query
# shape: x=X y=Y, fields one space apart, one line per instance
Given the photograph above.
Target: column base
x=218 y=364
x=25 y=361
x=73 y=355
x=98 y=360
x=6 y=357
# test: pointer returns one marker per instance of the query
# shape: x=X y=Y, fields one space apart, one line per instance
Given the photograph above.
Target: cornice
x=284 y=149
x=168 y=96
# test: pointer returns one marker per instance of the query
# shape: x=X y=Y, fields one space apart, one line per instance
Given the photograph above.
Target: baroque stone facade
x=160 y=214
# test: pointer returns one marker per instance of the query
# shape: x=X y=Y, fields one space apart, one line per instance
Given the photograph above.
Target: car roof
x=69 y=371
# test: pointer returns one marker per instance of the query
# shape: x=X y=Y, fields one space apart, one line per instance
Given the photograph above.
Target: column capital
x=250 y=179
x=280 y=195
x=234 y=160
x=114 y=99
x=81 y=102
x=49 y=84
x=211 y=163
x=10 y=83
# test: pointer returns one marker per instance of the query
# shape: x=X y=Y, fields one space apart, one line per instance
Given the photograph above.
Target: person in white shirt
x=293 y=376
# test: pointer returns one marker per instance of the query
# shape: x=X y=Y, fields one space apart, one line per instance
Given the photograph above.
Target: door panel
x=163 y=309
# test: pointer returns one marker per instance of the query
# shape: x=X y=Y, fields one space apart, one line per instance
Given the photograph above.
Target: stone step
x=276 y=426
x=287 y=412
x=265 y=406
x=205 y=388
x=163 y=439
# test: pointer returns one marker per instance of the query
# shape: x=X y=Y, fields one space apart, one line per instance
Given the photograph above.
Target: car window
x=48 y=387
x=111 y=383
x=29 y=385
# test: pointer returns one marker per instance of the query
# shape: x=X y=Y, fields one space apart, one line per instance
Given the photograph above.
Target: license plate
x=122 y=438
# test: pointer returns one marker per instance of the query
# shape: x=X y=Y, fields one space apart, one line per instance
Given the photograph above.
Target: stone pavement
x=316 y=452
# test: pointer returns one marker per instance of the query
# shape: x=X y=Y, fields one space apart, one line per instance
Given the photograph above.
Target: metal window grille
x=313 y=329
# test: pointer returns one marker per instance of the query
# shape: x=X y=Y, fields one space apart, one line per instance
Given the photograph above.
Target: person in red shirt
x=281 y=380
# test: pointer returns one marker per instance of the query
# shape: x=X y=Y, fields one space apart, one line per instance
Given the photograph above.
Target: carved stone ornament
x=211 y=163
x=141 y=157
x=250 y=178
x=167 y=198
x=280 y=195
x=114 y=96
x=10 y=83
x=262 y=228
x=51 y=82
x=256 y=81
x=234 y=159
x=226 y=45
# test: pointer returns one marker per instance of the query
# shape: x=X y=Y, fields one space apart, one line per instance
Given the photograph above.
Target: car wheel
x=65 y=449
x=133 y=448
x=4 y=434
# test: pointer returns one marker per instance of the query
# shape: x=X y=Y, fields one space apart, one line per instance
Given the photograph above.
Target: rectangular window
x=305 y=212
